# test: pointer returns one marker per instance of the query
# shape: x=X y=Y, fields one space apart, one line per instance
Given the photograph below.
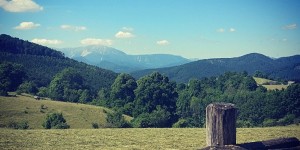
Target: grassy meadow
x=132 y=138
x=26 y=108
x=261 y=81
x=81 y=135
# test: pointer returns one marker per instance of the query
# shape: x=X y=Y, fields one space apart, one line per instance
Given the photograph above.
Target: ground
x=132 y=138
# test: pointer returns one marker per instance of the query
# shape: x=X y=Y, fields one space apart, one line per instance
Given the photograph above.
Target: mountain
x=118 y=61
x=285 y=67
x=41 y=63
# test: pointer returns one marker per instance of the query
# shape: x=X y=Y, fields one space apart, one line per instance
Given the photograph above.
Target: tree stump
x=220 y=124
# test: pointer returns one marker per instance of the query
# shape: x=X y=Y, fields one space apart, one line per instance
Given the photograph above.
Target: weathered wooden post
x=220 y=124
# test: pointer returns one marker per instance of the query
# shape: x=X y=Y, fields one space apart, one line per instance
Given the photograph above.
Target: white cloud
x=26 y=26
x=20 y=6
x=163 y=42
x=127 y=29
x=46 y=42
x=221 y=30
x=284 y=40
x=73 y=28
x=125 y=34
x=232 y=30
x=290 y=26
x=93 y=41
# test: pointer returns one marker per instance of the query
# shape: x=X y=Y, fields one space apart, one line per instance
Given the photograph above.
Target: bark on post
x=220 y=124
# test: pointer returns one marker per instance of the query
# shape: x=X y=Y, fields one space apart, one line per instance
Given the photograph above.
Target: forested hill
x=17 y=46
x=41 y=63
x=285 y=68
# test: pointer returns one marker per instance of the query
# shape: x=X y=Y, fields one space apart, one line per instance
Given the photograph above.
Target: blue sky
x=190 y=28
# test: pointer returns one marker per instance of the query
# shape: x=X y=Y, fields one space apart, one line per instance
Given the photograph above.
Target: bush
x=181 y=123
x=55 y=121
x=21 y=125
x=95 y=125
x=116 y=120
x=244 y=124
x=3 y=92
x=286 y=120
x=269 y=122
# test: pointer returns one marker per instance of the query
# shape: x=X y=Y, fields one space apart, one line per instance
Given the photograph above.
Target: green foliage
x=68 y=85
x=152 y=91
x=269 y=122
x=158 y=118
x=55 y=121
x=27 y=87
x=43 y=63
x=122 y=90
x=286 y=120
x=21 y=125
x=43 y=92
x=260 y=74
x=11 y=76
x=283 y=68
x=17 y=46
x=256 y=105
x=181 y=123
x=243 y=124
x=116 y=120
x=95 y=125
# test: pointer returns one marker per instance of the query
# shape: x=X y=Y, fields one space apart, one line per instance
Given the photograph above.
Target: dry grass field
x=26 y=108
x=114 y=139
x=261 y=81
x=82 y=136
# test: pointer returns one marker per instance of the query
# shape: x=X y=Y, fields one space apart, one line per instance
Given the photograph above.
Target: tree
x=27 y=87
x=122 y=90
x=155 y=90
x=55 y=121
x=68 y=85
x=11 y=76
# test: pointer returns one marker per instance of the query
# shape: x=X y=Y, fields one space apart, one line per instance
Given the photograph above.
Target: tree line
x=155 y=101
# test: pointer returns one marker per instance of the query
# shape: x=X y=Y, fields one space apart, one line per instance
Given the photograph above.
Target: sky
x=190 y=28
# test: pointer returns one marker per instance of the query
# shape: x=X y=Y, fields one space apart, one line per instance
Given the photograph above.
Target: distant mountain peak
x=85 y=53
x=255 y=55
x=116 y=60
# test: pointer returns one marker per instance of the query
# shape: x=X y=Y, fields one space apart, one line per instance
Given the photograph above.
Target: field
x=261 y=81
x=26 y=108
x=82 y=136
x=112 y=139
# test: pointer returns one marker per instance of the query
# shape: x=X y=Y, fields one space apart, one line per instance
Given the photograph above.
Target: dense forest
x=41 y=64
x=153 y=100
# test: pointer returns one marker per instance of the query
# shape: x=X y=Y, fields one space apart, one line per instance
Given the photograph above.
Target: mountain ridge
x=118 y=61
x=284 y=67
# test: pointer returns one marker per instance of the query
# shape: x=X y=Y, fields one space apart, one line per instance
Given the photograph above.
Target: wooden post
x=220 y=124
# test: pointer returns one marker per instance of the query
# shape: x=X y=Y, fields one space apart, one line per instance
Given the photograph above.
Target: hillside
x=25 y=107
x=42 y=63
x=285 y=67
x=118 y=61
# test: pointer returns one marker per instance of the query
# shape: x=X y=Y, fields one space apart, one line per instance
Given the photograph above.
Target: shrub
x=286 y=120
x=269 y=122
x=181 y=123
x=95 y=125
x=244 y=124
x=21 y=125
x=116 y=120
x=55 y=121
